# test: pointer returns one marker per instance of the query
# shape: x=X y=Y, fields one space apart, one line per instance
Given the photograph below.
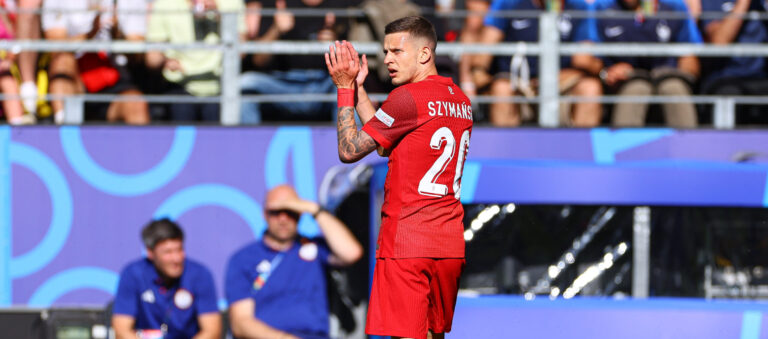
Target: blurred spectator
x=517 y=75
x=643 y=76
x=102 y=73
x=28 y=28
x=165 y=295
x=192 y=72
x=736 y=75
x=276 y=286
x=470 y=34
x=14 y=113
x=290 y=74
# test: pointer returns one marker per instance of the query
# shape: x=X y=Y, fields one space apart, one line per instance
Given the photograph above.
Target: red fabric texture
x=410 y=296
x=415 y=224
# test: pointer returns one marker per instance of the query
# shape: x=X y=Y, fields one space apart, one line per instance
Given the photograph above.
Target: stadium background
x=73 y=198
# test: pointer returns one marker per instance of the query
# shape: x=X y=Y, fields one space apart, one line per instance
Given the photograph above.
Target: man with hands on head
x=276 y=285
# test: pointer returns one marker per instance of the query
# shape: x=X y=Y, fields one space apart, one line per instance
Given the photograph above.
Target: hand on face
x=342 y=66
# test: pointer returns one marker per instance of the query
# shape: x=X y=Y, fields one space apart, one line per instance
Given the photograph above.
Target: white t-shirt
x=77 y=16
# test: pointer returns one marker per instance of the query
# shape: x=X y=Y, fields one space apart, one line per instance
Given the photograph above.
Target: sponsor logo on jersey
x=183 y=299
x=450 y=90
x=450 y=109
x=564 y=25
x=308 y=251
x=148 y=297
x=663 y=31
x=521 y=24
x=614 y=31
x=385 y=118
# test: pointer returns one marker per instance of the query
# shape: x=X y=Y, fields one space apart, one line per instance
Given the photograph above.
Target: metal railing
x=548 y=48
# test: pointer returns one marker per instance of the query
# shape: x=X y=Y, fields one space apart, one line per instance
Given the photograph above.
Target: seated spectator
x=100 y=73
x=736 y=75
x=165 y=295
x=290 y=74
x=14 y=113
x=276 y=286
x=643 y=76
x=517 y=75
x=28 y=28
x=471 y=34
x=192 y=72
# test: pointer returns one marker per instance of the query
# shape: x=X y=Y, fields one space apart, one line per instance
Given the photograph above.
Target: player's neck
x=428 y=71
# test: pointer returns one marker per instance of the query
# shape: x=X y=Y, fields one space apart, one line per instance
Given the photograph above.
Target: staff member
x=165 y=295
x=276 y=286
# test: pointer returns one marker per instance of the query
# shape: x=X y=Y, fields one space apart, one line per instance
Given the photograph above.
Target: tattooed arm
x=354 y=144
x=344 y=68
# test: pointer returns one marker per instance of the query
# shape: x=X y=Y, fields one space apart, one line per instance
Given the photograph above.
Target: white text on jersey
x=450 y=109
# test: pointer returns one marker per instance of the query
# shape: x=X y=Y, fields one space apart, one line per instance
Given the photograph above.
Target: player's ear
x=425 y=54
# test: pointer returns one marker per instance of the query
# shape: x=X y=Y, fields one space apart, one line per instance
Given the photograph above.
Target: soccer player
x=424 y=126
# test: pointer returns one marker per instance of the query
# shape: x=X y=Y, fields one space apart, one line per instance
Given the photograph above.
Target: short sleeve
x=585 y=29
x=498 y=21
x=323 y=251
x=206 y=293
x=237 y=285
x=127 y=298
x=156 y=25
x=397 y=116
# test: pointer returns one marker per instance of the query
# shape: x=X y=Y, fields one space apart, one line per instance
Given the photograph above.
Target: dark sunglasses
x=289 y=213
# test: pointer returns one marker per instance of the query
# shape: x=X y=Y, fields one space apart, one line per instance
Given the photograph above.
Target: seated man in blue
x=276 y=286
x=736 y=75
x=165 y=295
x=517 y=75
x=645 y=76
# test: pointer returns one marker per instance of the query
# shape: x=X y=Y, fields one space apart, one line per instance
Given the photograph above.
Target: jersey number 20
x=428 y=185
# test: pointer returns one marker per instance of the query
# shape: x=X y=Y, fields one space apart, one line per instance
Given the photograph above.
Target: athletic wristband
x=346 y=97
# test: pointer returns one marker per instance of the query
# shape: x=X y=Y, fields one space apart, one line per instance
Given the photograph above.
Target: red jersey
x=426 y=125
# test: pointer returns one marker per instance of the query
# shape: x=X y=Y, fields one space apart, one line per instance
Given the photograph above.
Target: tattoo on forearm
x=352 y=144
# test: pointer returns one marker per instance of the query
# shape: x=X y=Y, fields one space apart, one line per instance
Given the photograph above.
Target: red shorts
x=412 y=295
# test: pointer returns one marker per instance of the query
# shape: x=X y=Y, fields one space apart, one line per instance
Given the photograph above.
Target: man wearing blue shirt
x=517 y=75
x=644 y=76
x=165 y=295
x=736 y=75
x=276 y=286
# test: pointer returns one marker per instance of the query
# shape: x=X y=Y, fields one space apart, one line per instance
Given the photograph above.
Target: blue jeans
x=299 y=82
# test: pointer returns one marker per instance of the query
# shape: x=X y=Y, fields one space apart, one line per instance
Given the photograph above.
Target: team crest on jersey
x=385 y=118
x=264 y=266
x=148 y=296
x=308 y=251
x=183 y=299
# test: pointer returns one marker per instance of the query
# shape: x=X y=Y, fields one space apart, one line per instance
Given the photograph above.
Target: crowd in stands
x=27 y=77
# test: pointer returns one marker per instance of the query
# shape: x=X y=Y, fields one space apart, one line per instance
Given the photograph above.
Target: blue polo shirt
x=527 y=28
x=142 y=295
x=752 y=31
x=646 y=30
x=288 y=288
